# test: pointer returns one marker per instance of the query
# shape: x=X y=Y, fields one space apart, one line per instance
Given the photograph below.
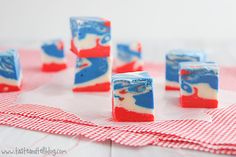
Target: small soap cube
x=133 y=99
x=129 y=57
x=92 y=75
x=53 y=57
x=199 y=84
x=173 y=58
x=10 y=71
x=90 y=37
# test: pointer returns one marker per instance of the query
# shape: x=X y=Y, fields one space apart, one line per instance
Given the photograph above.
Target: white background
x=26 y=20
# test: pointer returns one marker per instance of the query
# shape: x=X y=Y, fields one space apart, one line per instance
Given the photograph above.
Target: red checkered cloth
x=218 y=136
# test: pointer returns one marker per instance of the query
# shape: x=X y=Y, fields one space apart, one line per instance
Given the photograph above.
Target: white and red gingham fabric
x=218 y=136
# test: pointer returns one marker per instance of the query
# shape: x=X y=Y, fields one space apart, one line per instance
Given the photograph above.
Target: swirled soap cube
x=129 y=57
x=53 y=57
x=90 y=37
x=133 y=99
x=10 y=71
x=199 y=84
x=92 y=75
x=173 y=58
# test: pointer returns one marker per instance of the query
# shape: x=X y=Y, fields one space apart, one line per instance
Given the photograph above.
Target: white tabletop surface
x=11 y=138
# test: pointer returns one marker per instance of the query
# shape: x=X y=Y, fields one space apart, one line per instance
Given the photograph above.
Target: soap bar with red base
x=129 y=57
x=92 y=75
x=90 y=37
x=199 y=84
x=173 y=59
x=10 y=71
x=133 y=99
x=53 y=57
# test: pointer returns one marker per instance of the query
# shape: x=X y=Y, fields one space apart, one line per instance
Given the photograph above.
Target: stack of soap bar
x=10 y=71
x=92 y=74
x=173 y=58
x=90 y=36
x=199 y=84
x=53 y=58
x=129 y=57
x=133 y=97
x=91 y=43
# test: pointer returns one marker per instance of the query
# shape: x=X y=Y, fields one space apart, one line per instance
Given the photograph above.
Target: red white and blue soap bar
x=53 y=57
x=92 y=75
x=129 y=57
x=10 y=71
x=173 y=58
x=90 y=36
x=133 y=99
x=199 y=84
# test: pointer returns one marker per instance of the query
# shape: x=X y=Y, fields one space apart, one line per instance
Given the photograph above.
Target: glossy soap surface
x=199 y=84
x=133 y=97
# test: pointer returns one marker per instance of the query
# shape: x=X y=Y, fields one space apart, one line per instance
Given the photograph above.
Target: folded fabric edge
x=101 y=134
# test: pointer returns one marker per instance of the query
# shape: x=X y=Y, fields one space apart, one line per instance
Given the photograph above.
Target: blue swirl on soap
x=125 y=53
x=121 y=84
x=51 y=49
x=96 y=68
x=177 y=56
x=133 y=86
x=143 y=94
x=83 y=26
x=9 y=64
x=200 y=76
x=106 y=38
x=137 y=88
x=145 y=99
x=185 y=86
x=73 y=26
x=139 y=84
